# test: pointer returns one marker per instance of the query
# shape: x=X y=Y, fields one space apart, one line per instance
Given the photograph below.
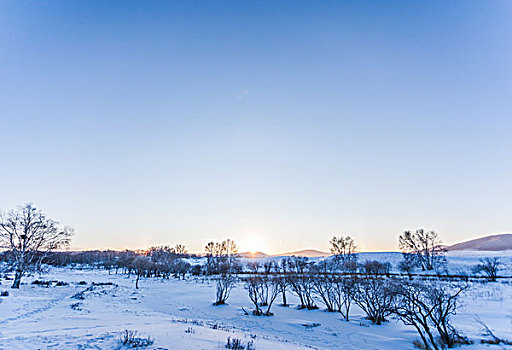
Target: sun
x=253 y=244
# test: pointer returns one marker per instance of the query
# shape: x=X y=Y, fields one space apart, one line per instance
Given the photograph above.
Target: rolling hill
x=487 y=243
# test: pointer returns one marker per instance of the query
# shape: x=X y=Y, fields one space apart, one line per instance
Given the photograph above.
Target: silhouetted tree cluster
x=344 y=251
x=422 y=249
x=224 y=262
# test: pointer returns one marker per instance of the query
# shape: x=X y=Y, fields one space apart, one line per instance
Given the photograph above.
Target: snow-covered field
x=179 y=315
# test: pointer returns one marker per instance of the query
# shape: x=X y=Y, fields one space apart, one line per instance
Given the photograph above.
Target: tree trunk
x=17 y=279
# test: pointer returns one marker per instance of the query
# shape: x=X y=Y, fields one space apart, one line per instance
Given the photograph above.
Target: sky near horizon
x=275 y=123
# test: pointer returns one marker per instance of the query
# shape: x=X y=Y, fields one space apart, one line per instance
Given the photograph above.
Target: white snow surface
x=179 y=315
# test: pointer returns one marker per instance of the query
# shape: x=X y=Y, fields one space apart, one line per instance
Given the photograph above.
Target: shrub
x=76 y=306
x=132 y=339
x=238 y=344
x=42 y=283
x=375 y=267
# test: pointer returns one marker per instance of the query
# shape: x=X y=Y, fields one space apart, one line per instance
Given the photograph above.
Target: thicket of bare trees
x=338 y=282
x=29 y=235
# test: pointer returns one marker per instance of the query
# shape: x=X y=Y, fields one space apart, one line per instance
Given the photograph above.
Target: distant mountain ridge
x=488 y=243
x=310 y=253
x=253 y=255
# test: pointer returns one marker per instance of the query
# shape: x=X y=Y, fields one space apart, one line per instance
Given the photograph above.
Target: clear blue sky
x=278 y=123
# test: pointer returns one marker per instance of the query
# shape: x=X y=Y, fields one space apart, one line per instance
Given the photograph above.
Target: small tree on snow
x=489 y=267
x=29 y=235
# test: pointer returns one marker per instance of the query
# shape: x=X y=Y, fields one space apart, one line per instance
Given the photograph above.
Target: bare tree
x=324 y=288
x=375 y=297
x=140 y=265
x=489 y=267
x=490 y=333
x=428 y=308
x=344 y=251
x=181 y=267
x=301 y=281
x=345 y=288
x=425 y=247
x=253 y=266
x=324 y=284
x=224 y=285
x=180 y=250
x=282 y=268
x=335 y=291
x=268 y=266
x=29 y=235
x=263 y=291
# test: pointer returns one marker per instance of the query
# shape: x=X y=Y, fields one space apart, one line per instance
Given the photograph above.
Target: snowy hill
x=488 y=243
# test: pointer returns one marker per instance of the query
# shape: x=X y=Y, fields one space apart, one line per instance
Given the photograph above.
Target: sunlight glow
x=253 y=244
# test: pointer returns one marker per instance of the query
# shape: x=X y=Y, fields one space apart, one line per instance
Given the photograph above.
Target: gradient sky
x=277 y=124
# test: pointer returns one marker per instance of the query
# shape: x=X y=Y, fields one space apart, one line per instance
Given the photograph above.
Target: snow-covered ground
x=180 y=315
